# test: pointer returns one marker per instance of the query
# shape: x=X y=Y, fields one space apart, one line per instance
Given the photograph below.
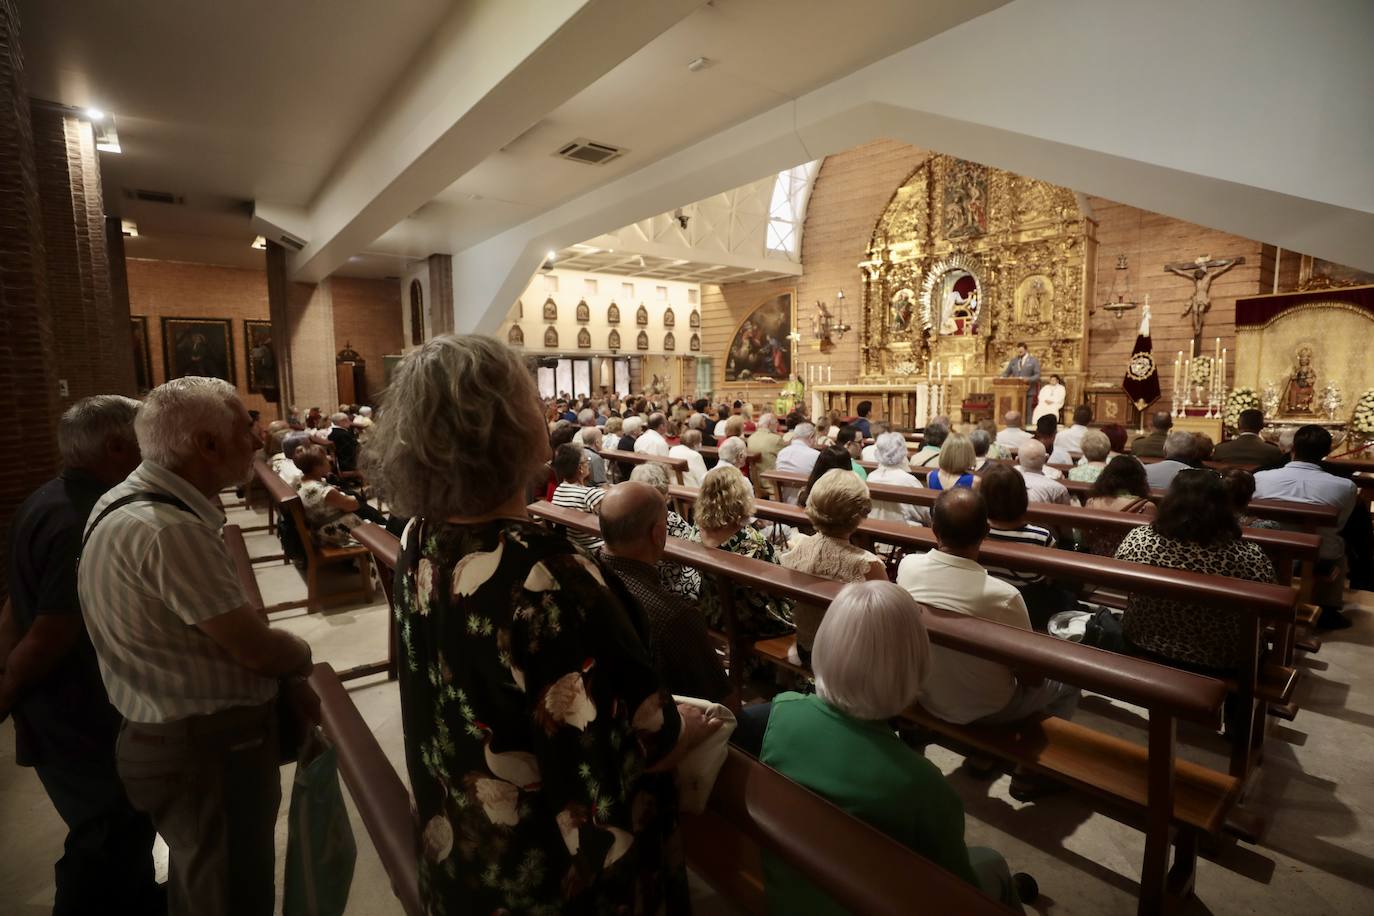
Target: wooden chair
x=288 y=503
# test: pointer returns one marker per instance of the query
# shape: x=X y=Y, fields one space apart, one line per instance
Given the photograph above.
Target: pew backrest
x=243 y=565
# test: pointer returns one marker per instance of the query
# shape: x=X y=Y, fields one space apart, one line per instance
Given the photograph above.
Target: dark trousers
x=107 y=861
x=212 y=788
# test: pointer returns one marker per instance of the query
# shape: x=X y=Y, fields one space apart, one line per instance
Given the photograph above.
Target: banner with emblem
x=1141 y=383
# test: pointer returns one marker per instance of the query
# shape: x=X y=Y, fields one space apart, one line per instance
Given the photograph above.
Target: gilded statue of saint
x=1300 y=390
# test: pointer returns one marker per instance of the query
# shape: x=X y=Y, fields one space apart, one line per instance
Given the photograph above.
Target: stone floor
x=1315 y=792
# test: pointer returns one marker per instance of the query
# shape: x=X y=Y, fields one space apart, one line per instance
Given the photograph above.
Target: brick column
x=28 y=437
x=122 y=364
x=441 y=320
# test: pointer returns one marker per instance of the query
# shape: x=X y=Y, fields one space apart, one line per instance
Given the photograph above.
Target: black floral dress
x=757 y=614
x=531 y=709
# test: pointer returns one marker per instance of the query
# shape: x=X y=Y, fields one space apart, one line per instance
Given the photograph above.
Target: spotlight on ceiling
x=259 y=243
x=548 y=260
x=95 y=114
x=128 y=228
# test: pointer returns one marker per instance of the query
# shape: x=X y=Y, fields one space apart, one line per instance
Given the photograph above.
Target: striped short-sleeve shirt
x=584 y=499
x=149 y=573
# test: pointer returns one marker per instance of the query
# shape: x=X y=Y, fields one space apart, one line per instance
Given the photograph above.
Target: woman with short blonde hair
x=957 y=461
x=836 y=506
x=871 y=656
x=723 y=509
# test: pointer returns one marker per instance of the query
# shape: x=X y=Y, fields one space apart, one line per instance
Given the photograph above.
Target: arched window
x=787 y=210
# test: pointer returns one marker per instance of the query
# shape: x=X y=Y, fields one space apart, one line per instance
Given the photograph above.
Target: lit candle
x=828 y=374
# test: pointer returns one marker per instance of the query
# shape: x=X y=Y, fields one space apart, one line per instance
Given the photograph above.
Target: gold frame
x=792 y=328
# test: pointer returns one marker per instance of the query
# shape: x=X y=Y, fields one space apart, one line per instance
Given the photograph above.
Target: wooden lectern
x=1010 y=394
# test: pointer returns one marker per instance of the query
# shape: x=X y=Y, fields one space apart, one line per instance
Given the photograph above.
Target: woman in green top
x=869 y=658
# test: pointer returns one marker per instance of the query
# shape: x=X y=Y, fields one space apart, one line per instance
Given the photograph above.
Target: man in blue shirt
x=861 y=424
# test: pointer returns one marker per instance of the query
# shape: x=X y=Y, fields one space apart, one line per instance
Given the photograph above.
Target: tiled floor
x=1315 y=791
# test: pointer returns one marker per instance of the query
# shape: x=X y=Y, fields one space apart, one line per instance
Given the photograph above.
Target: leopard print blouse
x=1189 y=633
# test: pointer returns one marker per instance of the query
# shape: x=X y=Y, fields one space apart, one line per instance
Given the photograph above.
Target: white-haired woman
x=733 y=452
x=870 y=657
x=723 y=511
x=525 y=679
x=836 y=506
x=890 y=451
x=681 y=580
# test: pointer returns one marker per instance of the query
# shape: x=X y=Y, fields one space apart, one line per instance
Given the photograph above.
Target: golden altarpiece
x=966 y=261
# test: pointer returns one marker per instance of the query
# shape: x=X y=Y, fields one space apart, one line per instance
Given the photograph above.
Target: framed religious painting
x=642 y=316
x=584 y=311
x=694 y=319
x=642 y=341
x=613 y=314
x=551 y=337
x=761 y=347
x=669 y=319
x=262 y=357
x=695 y=343
x=143 y=356
x=198 y=346
x=584 y=339
x=669 y=341
x=613 y=340
x=515 y=336
x=550 y=309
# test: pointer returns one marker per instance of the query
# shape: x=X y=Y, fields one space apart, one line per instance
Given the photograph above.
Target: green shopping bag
x=320 y=852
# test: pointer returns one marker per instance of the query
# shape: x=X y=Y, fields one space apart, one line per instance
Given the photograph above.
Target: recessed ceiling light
x=128 y=228
x=551 y=256
x=697 y=64
x=259 y=243
x=95 y=114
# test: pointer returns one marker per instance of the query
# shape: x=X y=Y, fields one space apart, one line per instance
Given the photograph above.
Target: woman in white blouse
x=1051 y=399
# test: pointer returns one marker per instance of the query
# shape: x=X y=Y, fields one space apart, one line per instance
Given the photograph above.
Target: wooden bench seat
x=288 y=503
x=243 y=565
x=676 y=466
x=1168 y=695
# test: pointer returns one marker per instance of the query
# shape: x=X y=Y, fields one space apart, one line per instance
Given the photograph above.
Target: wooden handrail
x=1144 y=683
x=243 y=566
x=615 y=454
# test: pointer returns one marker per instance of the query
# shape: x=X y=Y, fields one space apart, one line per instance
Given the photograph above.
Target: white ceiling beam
x=491 y=72
x=1199 y=142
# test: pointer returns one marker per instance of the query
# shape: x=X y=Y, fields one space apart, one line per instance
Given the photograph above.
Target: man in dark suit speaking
x=1025 y=366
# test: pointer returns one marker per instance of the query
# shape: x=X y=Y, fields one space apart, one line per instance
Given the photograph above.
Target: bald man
x=1040 y=488
x=634 y=527
x=963 y=688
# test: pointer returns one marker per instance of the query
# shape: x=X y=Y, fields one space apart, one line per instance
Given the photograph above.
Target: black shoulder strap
x=146 y=496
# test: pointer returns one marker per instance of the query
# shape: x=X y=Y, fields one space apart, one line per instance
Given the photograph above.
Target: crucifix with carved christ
x=1202 y=272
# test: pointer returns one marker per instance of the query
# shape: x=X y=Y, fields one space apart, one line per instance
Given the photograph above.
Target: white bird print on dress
x=565 y=702
x=498 y=798
x=475 y=569
x=519 y=768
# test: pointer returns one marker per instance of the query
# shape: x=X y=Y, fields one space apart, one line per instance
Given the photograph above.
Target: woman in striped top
x=1004 y=490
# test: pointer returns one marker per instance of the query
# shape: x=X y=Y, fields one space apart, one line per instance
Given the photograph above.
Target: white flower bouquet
x=1238 y=400
x=1362 y=421
x=1201 y=375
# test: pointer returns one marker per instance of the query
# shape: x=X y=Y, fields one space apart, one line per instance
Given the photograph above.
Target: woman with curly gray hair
x=836 y=506
x=525 y=679
x=890 y=449
x=723 y=513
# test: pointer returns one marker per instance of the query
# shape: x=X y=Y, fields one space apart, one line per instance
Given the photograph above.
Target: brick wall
x=322 y=318
x=28 y=437
x=367 y=316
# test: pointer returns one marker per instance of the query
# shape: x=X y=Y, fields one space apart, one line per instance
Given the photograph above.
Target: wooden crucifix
x=1202 y=272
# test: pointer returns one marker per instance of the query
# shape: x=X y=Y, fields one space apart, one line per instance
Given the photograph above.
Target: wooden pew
x=1260 y=685
x=243 y=566
x=288 y=503
x=1150 y=782
x=751 y=807
x=676 y=466
x=380 y=796
x=385 y=548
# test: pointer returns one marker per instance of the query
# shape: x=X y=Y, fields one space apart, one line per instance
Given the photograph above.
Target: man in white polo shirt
x=651 y=441
x=191 y=666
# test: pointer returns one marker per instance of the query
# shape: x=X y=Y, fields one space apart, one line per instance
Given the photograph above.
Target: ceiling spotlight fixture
x=682 y=218
x=95 y=114
x=548 y=261
x=697 y=64
x=128 y=228
x=259 y=243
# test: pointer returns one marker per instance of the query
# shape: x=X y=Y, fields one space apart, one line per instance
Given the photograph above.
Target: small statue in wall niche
x=1301 y=388
x=1034 y=302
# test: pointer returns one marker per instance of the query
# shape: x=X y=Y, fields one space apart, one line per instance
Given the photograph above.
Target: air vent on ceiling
x=154 y=197
x=589 y=152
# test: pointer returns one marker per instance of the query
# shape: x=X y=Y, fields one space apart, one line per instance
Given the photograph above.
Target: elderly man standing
x=961 y=688
x=190 y=664
x=634 y=526
x=1030 y=461
x=799 y=457
x=764 y=446
x=65 y=727
x=651 y=441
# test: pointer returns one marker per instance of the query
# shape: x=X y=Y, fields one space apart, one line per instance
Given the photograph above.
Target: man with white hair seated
x=799 y=457
x=363 y=418
x=1015 y=433
x=733 y=452
x=589 y=437
x=651 y=441
x=65 y=727
x=687 y=451
x=890 y=453
x=1030 y=461
x=1180 y=453
x=187 y=660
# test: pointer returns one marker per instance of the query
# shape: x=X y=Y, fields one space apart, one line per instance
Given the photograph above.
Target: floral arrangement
x=1363 y=419
x=1201 y=376
x=1239 y=399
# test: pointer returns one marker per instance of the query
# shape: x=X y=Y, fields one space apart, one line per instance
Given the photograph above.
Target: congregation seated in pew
x=891 y=454
x=1004 y=491
x=1121 y=487
x=1181 y=451
x=955 y=464
x=1096 y=449
x=724 y=510
x=1040 y=487
x=678 y=579
x=330 y=513
x=871 y=657
x=830 y=458
x=961 y=688
x=1240 y=485
x=837 y=503
x=573 y=470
